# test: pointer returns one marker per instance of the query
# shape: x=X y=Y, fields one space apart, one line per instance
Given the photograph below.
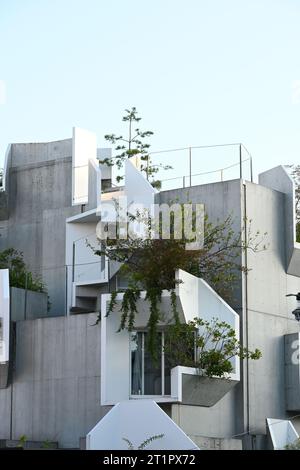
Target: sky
x=200 y=72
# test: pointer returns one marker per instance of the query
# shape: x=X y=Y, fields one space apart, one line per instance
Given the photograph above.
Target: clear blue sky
x=199 y=72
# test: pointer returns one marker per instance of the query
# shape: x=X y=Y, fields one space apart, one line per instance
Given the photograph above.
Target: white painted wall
x=4 y=315
x=94 y=184
x=84 y=148
x=87 y=264
x=282 y=433
x=137 y=421
x=198 y=299
x=137 y=189
x=195 y=298
x=278 y=179
x=115 y=357
x=7 y=165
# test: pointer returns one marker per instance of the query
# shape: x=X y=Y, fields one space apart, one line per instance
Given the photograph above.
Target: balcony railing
x=195 y=165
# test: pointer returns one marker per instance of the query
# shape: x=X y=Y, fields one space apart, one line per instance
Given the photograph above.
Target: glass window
x=148 y=376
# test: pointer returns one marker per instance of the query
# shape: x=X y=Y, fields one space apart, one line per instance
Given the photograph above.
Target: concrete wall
x=226 y=417
x=27 y=304
x=220 y=201
x=56 y=391
x=269 y=315
x=39 y=193
x=266 y=314
x=56 y=385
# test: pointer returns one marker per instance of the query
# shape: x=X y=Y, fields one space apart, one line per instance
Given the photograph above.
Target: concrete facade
x=55 y=391
x=38 y=194
x=264 y=310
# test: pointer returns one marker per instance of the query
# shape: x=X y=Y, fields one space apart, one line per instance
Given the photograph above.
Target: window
x=148 y=377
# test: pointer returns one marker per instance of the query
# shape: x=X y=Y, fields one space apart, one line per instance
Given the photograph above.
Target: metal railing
x=195 y=156
x=191 y=164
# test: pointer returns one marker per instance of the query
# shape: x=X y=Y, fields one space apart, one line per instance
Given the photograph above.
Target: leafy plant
x=294 y=446
x=22 y=440
x=47 y=444
x=133 y=145
x=19 y=275
x=207 y=346
x=145 y=443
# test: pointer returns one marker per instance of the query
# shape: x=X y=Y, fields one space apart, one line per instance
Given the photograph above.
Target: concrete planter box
x=204 y=391
x=190 y=387
x=27 y=304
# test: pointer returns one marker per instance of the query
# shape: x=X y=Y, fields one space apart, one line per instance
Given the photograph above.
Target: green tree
x=133 y=145
x=19 y=275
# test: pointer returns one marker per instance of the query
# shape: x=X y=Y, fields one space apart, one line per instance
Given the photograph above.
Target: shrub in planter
x=207 y=346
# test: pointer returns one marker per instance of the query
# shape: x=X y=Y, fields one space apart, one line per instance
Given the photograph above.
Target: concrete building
x=67 y=372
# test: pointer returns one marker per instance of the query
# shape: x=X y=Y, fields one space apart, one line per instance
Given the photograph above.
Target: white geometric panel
x=137 y=421
x=282 y=433
x=4 y=315
x=84 y=148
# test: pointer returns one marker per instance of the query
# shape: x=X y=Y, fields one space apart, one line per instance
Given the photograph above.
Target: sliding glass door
x=148 y=376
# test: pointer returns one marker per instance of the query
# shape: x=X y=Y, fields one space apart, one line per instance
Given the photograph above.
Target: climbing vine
x=128 y=308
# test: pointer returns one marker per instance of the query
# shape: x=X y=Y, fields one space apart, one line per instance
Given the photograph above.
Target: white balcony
x=195 y=298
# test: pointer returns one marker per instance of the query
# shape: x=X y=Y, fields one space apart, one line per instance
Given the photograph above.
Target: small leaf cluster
x=294 y=445
x=145 y=443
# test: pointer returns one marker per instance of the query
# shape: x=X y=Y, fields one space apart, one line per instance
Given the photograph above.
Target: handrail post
x=73 y=263
x=190 y=165
x=241 y=169
x=183 y=181
x=251 y=169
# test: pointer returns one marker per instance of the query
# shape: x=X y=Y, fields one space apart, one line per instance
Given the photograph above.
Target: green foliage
x=19 y=276
x=133 y=145
x=22 y=440
x=129 y=309
x=112 y=303
x=294 y=446
x=48 y=445
x=296 y=176
x=144 y=444
x=207 y=346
